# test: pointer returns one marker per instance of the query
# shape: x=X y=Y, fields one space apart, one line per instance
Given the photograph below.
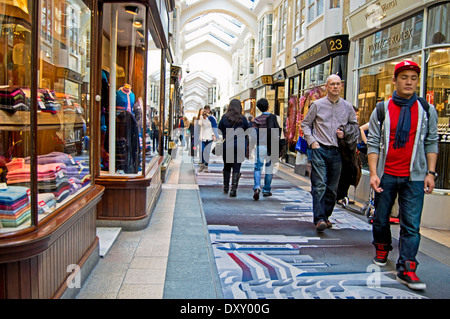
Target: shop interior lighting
x=132 y=10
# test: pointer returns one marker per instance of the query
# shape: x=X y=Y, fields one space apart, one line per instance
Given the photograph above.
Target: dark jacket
x=234 y=140
x=264 y=125
x=351 y=166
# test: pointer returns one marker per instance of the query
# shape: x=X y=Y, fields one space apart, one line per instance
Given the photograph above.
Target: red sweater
x=398 y=160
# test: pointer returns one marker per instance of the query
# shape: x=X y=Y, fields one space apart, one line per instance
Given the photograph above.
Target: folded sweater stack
x=58 y=174
x=49 y=104
x=12 y=99
x=14 y=206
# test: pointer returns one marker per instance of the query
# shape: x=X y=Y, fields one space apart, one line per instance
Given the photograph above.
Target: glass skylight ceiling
x=247 y=3
x=218 y=28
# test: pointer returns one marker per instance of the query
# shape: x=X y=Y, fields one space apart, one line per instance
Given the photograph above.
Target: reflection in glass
x=438 y=30
x=375 y=84
x=127 y=114
x=15 y=81
x=63 y=103
x=152 y=134
x=401 y=38
x=438 y=82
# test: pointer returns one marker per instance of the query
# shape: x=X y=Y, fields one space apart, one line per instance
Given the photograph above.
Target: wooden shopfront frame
x=34 y=262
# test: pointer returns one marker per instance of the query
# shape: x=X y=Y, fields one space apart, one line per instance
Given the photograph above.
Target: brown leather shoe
x=321 y=226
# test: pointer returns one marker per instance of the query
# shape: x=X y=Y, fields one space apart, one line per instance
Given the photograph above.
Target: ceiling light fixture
x=132 y=10
x=137 y=23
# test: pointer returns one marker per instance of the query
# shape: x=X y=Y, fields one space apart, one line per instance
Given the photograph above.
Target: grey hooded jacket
x=426 y=141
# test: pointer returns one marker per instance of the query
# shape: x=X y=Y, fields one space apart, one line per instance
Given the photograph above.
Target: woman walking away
x=233 y=126
x=155 y=133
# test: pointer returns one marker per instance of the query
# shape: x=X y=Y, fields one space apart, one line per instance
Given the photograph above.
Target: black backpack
x=380 y=109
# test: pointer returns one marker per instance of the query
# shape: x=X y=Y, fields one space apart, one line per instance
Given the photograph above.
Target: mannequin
x=125 y=99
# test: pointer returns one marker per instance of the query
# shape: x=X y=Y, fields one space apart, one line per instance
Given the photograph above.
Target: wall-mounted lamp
x=132 y=10
x=137 y=24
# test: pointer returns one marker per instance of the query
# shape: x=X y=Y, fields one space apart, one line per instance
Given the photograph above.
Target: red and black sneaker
x=382 y=252
x=409 y=277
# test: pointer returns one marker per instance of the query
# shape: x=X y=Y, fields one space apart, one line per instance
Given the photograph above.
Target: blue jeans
x=261 y=157
x=410 y=200
x=205 y=154
x=326 y=168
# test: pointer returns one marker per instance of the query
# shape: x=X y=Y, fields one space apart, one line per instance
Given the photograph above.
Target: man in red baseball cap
x=406 y=65
x=397 y=152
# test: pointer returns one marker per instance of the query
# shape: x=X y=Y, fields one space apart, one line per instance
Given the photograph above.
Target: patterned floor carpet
x=270 y=248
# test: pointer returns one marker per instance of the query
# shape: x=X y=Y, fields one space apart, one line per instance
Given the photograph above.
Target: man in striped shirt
x=321 y=128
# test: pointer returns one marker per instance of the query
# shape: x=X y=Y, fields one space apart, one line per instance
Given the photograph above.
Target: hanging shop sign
x=279 y=76
x=292 y=70
x=263 y=80
x=375 y=13
x=175 y=72
x=331 y=46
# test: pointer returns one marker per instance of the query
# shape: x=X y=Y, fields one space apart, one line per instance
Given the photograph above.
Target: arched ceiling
x=211 y=26
x=195 y=89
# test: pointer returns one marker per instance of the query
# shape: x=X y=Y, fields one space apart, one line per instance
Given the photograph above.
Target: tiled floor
x=135 y=266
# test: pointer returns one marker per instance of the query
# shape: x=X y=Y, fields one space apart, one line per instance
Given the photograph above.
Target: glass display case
x=133 y=63
x=130 y=119
x=48 y=195
x=62 y=109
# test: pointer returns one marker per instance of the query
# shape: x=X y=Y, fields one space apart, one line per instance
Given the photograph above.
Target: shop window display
x=128 y=104
x=62 y=147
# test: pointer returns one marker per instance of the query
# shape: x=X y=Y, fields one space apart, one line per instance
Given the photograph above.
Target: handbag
x=301 y=145
x=217 y=146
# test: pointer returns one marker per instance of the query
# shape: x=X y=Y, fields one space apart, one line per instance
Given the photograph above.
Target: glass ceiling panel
x=210 y=29
x=189 y=2
x=247 y=3
x=208 y=37
x=224 y=20
x=218 y=28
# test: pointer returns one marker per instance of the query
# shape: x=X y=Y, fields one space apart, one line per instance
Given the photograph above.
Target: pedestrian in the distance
x=266 y=125
x=233 y=126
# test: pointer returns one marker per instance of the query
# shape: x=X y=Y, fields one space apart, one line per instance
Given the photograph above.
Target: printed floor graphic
x=270 y=249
